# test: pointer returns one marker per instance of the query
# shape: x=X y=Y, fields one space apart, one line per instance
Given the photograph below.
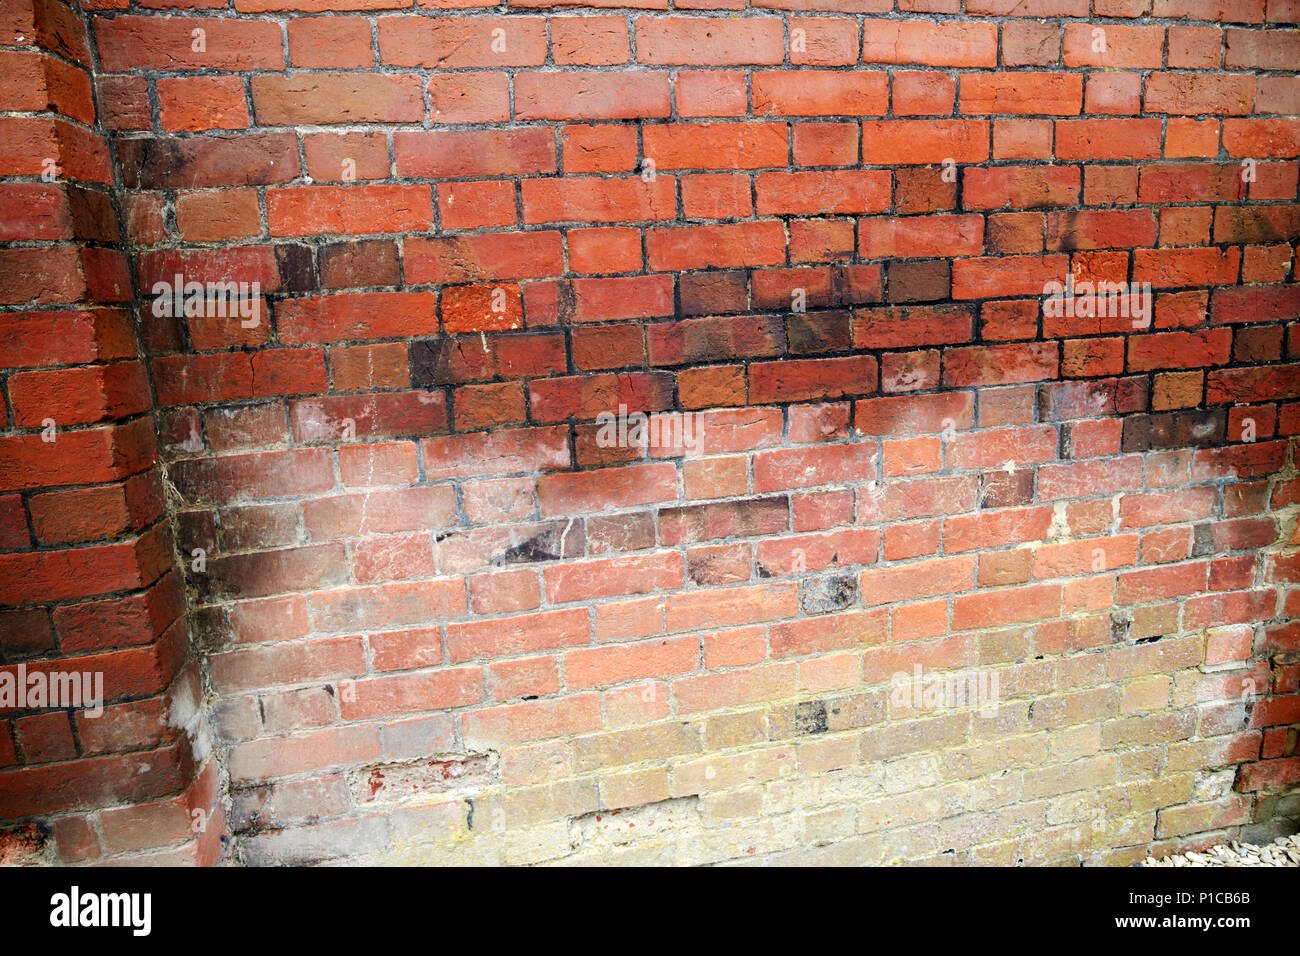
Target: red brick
x=336 y=98
x=165 y=43
x=1059 y=94
x=679 y=41
x=590 y=95
x=820 y=93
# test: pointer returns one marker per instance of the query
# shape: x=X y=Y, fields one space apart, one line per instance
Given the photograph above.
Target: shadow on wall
x=391 y=647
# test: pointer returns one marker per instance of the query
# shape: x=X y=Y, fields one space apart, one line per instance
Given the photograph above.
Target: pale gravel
x=1284 y=851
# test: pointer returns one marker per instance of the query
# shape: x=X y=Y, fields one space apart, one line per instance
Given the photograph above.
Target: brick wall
x=373 y=528
x=88 y=583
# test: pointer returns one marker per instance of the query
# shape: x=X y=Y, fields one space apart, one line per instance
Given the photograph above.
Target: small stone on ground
x=1284 y=851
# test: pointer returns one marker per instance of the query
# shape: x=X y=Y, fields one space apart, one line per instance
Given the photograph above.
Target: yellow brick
x=538 y=763
x=892 y=740
x=1072 y=742
x=1003 y=646
x=1148 y=728
x=988 y=756
x=724 y=731
x=732 y=804
x=1170 y=654
x=1087 y=774
x=1078 y=707
x=713 y=773
x=635 y=745
x=1146 y=693
x=819 y=754
x=633 y=788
